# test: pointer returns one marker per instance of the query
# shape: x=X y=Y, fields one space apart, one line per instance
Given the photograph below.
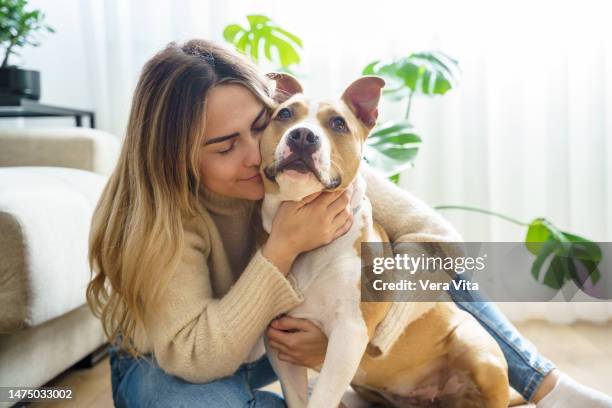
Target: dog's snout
x=303 y=138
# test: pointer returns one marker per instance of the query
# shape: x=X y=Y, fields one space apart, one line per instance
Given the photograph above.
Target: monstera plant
x=560 y=256
x=392 y=146
x=278 y=45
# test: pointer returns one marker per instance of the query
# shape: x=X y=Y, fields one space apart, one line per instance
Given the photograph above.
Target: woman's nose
x=253 y=155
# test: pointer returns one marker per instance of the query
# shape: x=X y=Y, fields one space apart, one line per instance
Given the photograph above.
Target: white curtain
x=526 y=133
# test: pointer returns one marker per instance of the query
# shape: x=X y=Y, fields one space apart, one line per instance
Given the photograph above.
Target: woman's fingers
x=288 y=358
x=329 y=197
x=312 y=222
x=305 y=345
x=340 y=203
x=278 y=335
x=311 y=197
x=290 y=340
x=291 y=323
x=343 y=229
x=279 y=346
x=345 y=214
x=285 y=352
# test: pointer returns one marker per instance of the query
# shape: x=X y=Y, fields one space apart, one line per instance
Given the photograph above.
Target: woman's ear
x=286 y=86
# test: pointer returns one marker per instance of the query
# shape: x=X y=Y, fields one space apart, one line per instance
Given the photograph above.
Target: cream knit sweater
x=225 y=292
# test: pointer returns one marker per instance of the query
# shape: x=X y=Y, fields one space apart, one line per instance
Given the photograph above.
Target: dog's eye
x=284 y=114
x=339 y=124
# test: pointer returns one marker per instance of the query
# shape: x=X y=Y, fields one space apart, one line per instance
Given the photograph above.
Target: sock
x=569 y=393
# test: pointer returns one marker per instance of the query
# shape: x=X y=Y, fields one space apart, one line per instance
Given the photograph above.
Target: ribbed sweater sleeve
x=406 y=218
x=403 y=216
x=200 y=338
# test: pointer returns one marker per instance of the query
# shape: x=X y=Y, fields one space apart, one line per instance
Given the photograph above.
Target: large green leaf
x=391 y=127
x=542 y=251
x=557 y=274
x=537 y=233
x=588 y=254
x=231 y=31
x=264 y=33
x=565 y=251
x=391 y=147
x=428 y=73
x=388 y=165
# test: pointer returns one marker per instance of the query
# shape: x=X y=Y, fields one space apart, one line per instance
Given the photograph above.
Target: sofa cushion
x=45 y=215
x=79 y=148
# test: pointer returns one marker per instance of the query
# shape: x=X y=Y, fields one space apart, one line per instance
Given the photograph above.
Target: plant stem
x=480 y=210
x=409 y=104
x=6 y=56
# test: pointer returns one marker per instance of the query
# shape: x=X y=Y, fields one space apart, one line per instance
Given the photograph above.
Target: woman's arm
x=199 y=338
x=403 y=216
x=406 y=218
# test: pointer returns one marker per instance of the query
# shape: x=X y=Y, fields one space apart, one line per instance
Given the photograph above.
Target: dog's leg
x=474 y=351
x=346 y=344
x=293 y=379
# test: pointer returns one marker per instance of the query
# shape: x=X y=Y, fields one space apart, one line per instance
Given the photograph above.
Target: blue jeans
x=141 y=382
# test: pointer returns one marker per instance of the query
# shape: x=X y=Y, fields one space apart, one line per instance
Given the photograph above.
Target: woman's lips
x=256 y=177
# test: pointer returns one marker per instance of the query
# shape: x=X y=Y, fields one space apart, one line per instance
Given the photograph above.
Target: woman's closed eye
x=262 y=122
x=229 y=149
x=256 y=130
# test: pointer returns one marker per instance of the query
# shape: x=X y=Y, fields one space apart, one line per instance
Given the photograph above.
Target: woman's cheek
x=212 y=171
x=230 y=168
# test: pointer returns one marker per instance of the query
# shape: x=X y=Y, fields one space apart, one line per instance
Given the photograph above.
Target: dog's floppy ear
x=286 y=86
x=362 y=98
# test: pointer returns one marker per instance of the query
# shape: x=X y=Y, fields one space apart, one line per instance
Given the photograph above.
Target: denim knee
x=265 y=399
x=143 y=383
x=115 y=377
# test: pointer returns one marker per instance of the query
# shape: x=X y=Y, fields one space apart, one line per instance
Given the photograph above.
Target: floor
x=582 y=350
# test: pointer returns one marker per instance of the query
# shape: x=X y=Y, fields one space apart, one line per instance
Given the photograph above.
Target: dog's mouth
x=301 y=164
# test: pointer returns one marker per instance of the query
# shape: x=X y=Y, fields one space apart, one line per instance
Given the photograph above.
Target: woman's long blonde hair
x=136 y=237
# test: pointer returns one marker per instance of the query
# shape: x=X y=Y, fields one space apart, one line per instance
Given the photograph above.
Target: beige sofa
x=50 y=181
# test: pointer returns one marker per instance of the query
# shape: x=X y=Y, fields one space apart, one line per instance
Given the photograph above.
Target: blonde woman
x=182 y=287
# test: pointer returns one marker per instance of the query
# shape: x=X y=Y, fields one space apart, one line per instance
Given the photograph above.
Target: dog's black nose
x=303 y=139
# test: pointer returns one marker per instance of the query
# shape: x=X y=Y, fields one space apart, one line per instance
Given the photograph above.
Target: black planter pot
x=19 y=83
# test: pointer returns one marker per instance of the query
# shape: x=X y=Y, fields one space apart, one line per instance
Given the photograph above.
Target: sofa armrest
x=80 y=148
x=45 y=217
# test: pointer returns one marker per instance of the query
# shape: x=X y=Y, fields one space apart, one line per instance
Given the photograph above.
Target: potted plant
x=18 y=28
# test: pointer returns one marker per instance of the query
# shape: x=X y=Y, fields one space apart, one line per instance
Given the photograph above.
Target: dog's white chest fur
x=329 y=276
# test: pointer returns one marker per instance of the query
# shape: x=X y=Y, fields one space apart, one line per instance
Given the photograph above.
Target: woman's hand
x=301 y=226
x=298 y=341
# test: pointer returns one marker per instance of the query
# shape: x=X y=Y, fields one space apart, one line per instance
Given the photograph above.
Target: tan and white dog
x=444 y=356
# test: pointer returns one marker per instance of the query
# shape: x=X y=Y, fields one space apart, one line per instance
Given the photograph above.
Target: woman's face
x=229 y=157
